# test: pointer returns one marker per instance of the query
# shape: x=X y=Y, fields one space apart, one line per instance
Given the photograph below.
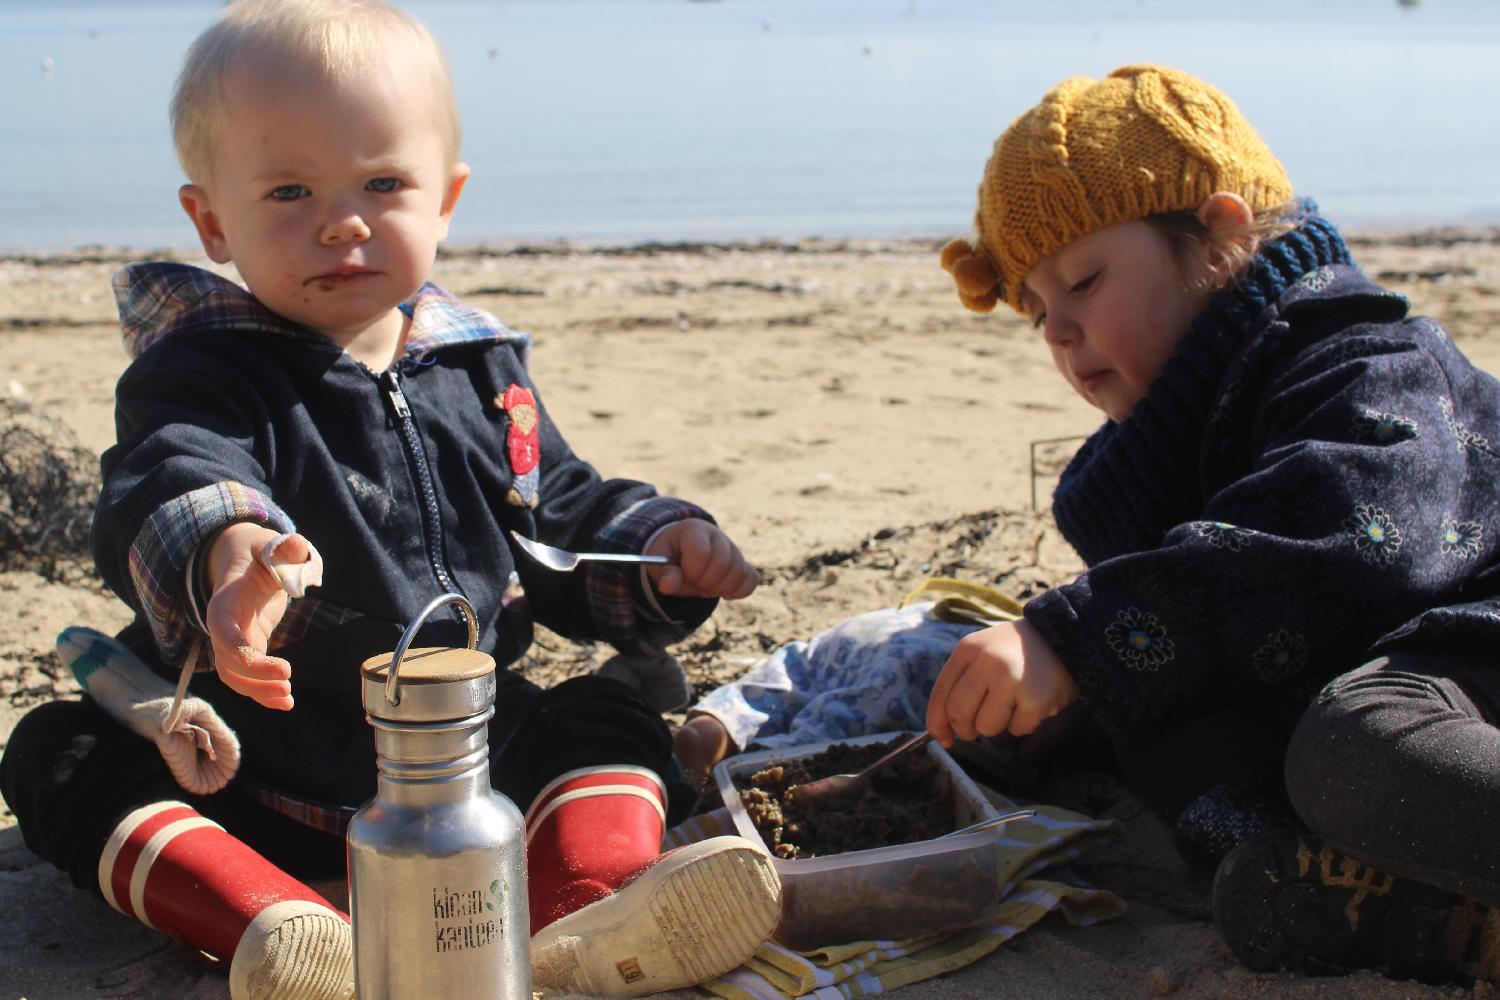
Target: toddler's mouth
x=342 y=276
x=1089 y=381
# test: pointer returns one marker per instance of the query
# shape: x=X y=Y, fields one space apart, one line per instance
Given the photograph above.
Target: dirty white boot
x=179 y=872
x=612 y=915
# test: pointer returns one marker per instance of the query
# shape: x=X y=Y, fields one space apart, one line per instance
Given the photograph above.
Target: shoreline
x=1442 y=235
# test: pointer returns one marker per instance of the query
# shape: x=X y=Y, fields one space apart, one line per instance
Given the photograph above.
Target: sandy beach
x=845 y=419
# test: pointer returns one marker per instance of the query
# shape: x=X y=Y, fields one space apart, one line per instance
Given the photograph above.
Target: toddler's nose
x=351 y=229
x=1059 y=330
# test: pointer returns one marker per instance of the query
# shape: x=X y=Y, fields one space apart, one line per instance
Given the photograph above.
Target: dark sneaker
x=1290 y=901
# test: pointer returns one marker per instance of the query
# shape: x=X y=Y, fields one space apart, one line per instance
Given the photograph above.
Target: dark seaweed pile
x=48 y=485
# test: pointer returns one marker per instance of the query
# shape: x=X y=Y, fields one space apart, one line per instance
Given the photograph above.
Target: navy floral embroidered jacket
x=1310 y=481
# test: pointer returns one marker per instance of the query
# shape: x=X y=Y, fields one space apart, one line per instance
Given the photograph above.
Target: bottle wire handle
x=392 y=684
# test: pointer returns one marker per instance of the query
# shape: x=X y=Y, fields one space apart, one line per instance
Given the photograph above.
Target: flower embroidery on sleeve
x=1462 y=436
x=1316 y=281
x=1284 y=654
x=1461 y=539
x=1376 y=536
x=1139 y=639
x=1221 y=535
x=1384 y=428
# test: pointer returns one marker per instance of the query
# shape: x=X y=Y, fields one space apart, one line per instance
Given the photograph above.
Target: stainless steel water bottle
x=437 y=866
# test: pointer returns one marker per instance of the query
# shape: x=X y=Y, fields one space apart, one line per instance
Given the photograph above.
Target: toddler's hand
x=699 y=744
x=247 y=604
x=1005 y=678
x=705 y=563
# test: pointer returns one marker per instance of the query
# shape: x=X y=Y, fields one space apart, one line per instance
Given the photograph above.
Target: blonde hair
x=1229 y=252
x=336 y=38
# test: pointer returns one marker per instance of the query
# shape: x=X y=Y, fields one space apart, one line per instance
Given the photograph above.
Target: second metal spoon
x=565 y=562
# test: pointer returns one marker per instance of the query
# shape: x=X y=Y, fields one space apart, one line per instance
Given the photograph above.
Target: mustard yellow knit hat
x=1095 y=153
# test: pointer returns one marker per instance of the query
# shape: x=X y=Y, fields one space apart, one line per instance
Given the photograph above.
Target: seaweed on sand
x=48 y=487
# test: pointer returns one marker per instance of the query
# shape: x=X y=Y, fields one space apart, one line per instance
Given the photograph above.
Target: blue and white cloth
x=872 y=673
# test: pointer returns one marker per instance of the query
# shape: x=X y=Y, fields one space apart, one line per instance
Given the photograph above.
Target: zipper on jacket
x=390 y=381
x=396 y=396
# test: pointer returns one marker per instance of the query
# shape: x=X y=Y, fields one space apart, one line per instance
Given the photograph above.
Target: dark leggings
x=70 y=773
x=1399 y=762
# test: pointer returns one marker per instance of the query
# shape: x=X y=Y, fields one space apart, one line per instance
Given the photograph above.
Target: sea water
x=618 y=121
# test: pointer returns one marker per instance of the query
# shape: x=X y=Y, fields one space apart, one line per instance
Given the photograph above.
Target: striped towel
x=1033 y=857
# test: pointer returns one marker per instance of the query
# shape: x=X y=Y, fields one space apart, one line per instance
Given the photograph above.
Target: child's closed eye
x=1080 y=287
x=383 y=185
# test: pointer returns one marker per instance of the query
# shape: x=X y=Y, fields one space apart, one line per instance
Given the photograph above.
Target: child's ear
x=458 y=176
x=1229 y=220
x=1225 y=214
x=195 y=203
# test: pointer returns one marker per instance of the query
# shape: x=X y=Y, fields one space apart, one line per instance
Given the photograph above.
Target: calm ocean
x=628 y=120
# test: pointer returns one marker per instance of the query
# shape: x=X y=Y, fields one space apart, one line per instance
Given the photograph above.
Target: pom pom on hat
x=1096 y=153
x=952 y=251
x=973 y=274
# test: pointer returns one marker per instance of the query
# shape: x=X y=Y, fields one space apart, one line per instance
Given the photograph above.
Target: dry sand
x=850 y=425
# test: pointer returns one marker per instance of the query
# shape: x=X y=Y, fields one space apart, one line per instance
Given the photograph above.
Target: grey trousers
x=1399 y=763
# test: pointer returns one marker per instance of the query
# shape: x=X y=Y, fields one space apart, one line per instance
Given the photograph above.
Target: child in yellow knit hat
x=1286 y=632
x=1289 y=519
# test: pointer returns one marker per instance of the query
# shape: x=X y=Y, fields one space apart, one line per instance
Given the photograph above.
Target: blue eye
x=383 y=185
x=289 y=192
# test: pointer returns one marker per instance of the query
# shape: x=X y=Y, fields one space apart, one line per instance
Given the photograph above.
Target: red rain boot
x=612 y=915
x=173 y=870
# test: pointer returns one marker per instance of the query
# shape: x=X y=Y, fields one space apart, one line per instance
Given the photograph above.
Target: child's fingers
x=937 y=703
x=1023 y=720
x=274 y=694
x=969 y=701
x=264 y=679
x=667 y=580
x=997 y=712
x=707 y=559
x=746 y=579
x=737 y=577
x=730 y=577
x=701 y=743
x=709 y=565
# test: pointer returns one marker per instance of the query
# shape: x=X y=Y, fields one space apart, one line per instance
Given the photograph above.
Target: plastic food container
x=885 y=893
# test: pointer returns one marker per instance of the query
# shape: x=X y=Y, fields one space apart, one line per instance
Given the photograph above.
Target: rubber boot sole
x=696 y=914
x=294 y=950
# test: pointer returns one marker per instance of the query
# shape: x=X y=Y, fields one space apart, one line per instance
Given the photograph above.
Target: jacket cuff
x=629 y=615
x=167 y=547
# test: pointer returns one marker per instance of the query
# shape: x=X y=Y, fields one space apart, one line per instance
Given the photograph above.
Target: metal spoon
x=993 y=821
x=839 y=790
x=565 y=562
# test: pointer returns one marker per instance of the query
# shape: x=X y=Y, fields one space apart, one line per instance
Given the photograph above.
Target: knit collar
x=160 y=298
x=1133 y=481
